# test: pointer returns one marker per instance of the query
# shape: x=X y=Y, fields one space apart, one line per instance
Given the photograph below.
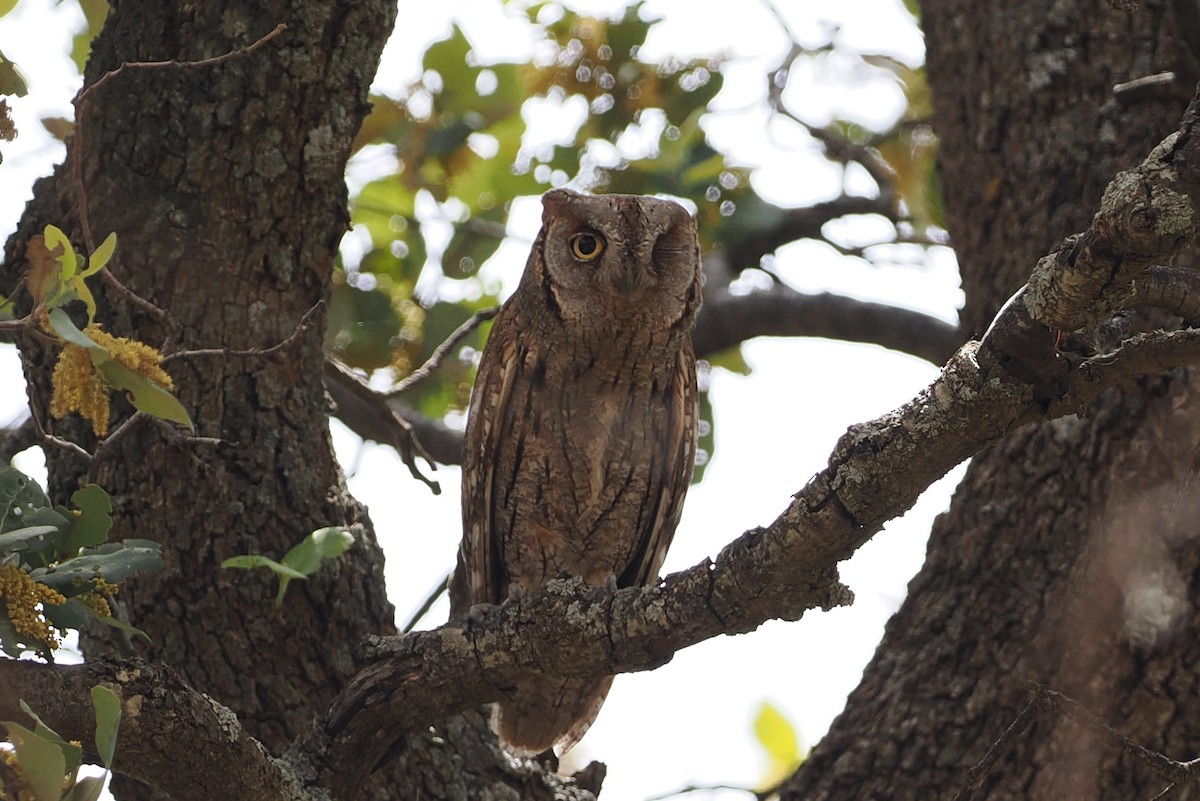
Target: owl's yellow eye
x=587 y=246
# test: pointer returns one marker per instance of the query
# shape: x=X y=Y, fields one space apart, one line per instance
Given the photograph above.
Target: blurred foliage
x=780 y=744
x=460 y=139
x=459 y=135
x=56 y=564
x=42 y=766
x=457 y=149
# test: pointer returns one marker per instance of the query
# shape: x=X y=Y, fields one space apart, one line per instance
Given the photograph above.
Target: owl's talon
x=610 y=582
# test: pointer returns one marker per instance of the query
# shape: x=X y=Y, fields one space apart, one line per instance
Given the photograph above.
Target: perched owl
x=582 y=428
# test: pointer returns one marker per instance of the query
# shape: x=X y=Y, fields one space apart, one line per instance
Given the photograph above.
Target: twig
x=119 y=433
x=204 y=62
x=983 y=768
x=8 y=301
x=58 y=442
x=441 y=351
x=155 y=311
x=301 y=327
x=16 y=438
x=760 y=795
x=369 y=415
x=77 y=138
x=1173 y=771
x=427 y=604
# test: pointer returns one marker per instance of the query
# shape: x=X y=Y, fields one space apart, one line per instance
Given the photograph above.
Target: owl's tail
x=550 y=713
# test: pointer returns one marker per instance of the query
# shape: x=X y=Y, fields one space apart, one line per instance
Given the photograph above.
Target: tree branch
x=171 y=736
x=1013 y=376
x=789 y=225
x=727 y=320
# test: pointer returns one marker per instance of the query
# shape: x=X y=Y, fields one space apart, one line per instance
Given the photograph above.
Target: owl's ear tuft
x=559 y=203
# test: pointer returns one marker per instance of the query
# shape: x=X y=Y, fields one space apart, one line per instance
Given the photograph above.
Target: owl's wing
x=670 y=476
x=479 y=576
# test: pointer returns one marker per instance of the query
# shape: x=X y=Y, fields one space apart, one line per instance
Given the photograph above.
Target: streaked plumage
x=581 y=435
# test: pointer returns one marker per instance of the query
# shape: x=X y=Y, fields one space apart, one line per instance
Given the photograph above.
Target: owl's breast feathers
x=576 y=461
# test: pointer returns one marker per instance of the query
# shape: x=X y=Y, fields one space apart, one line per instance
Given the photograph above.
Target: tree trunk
x=1067 y=557
x=223 y=178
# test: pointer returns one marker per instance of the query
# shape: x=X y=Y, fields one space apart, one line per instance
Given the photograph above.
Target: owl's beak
x=630 y=277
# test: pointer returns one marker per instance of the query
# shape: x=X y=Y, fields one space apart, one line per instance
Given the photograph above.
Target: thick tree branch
x=727 y=320
x=1015 y=375
x=171 y=737
x=1145 y=216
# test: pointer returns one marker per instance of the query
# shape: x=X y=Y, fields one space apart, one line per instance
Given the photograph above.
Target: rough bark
x=1068 y=556
x=222 y=175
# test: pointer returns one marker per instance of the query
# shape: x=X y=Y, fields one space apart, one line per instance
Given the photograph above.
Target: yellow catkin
x=79 y=387
x=97 y=603
x=21 y=596
x=137 y=356
x=17 y=783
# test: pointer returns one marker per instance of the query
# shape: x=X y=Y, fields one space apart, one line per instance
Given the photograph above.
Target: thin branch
x=15 y=439
x=1044 y=700
x=175 y=64
x=1003 y=744
x=789 y=225
x=48 y=438
x=702 y=788
x=368 y=414
x=438 y=591
x=305 y=323
x=77 y=149
x=441 y=351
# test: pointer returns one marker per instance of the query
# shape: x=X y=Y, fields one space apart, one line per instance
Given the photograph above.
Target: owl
x=581 y=433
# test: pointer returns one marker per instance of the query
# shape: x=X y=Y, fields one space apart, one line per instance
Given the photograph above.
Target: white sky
x=690 y=721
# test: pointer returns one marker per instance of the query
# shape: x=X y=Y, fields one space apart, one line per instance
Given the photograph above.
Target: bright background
x=690 y=722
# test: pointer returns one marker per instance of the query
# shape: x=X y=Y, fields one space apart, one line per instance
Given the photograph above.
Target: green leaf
x=61 y=324
x=19 y=496
x=250 y=561
x=286 y=574
x=55 y=238
x=10 y=640
x=32 y=538
x=92 y=524
x=101 y=255
x=324 y=543
x=11 y=80
x=777 y=736
x=85 y=294
x=88 y=788
x=148 y=397
x=302 y=560
x=41 y=760
x=74 y=614
x=108 y=721
x=73 y=753
x=113 y=562
x=117 y=623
